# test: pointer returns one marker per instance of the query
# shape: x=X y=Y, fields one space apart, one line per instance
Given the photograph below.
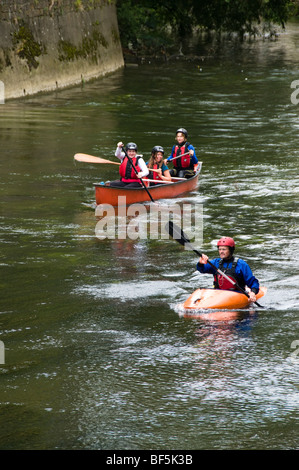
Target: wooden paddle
x=83 y=157
x=177 y=234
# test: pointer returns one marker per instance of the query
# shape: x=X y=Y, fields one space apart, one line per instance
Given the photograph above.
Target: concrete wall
x=49 y=44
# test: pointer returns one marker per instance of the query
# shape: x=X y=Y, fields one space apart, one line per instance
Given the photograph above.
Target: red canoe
x=109 y=195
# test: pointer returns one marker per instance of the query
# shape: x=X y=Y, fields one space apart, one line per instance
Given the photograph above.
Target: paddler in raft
x=236 y=268
x=184 y=165
x=156 y=163
x=128 y=176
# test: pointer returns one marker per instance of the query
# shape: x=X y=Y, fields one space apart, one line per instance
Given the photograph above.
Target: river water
x=98 y=353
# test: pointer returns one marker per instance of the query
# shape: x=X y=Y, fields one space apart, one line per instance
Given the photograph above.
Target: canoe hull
x=110 y=195
x=219 y=299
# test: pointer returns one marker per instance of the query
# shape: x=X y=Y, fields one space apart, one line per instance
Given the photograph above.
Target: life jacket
x=153 y=174
x=182 y=162
x=221 y=283
x=127 y=172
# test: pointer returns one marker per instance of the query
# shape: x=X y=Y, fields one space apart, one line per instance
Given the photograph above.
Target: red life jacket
x=154 y=175
x=221 y=283
x=127 y=172
x=183 y=162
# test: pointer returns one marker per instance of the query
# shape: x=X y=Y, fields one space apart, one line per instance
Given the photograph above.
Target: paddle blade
x=83 y=157
x=176 y=233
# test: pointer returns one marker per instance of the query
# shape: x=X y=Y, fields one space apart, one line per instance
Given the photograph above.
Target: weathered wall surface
x=49 y=44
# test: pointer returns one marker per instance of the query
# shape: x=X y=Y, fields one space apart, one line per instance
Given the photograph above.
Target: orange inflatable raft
x=219 y=299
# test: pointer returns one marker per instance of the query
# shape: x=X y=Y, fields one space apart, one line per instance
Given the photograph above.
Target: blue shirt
x=242 y=270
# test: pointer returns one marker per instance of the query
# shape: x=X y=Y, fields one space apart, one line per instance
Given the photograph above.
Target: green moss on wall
x=115 y=35
x=88 y=47
x=26 y=47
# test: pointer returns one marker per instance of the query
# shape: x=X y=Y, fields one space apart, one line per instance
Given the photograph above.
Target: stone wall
x=49 y=44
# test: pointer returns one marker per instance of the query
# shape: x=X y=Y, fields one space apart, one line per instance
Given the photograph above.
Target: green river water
x=97 y=352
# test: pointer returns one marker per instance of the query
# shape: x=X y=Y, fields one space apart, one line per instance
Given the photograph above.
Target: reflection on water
x=98 y=353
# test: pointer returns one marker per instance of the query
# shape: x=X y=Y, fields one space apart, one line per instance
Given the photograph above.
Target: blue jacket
x=242 y=271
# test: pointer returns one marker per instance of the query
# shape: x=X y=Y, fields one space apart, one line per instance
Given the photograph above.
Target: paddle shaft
x=174 y=158
x=158 y=181
x=135 y=169
x=179 y=179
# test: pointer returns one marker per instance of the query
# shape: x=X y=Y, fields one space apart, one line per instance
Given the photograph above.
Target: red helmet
x=226 y=241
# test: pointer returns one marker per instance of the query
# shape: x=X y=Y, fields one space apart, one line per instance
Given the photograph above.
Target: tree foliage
x=148 y=22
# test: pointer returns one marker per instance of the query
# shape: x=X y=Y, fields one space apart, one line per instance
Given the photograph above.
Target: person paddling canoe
x=236 y=268
x=128 y=176
x=156 y=163
x=184 y=164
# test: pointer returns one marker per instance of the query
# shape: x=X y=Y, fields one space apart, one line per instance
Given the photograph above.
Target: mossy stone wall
x=49 y=44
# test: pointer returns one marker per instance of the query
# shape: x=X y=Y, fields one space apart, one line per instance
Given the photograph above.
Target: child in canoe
x=156 y=163
x=183 y=156
x=128 y=176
